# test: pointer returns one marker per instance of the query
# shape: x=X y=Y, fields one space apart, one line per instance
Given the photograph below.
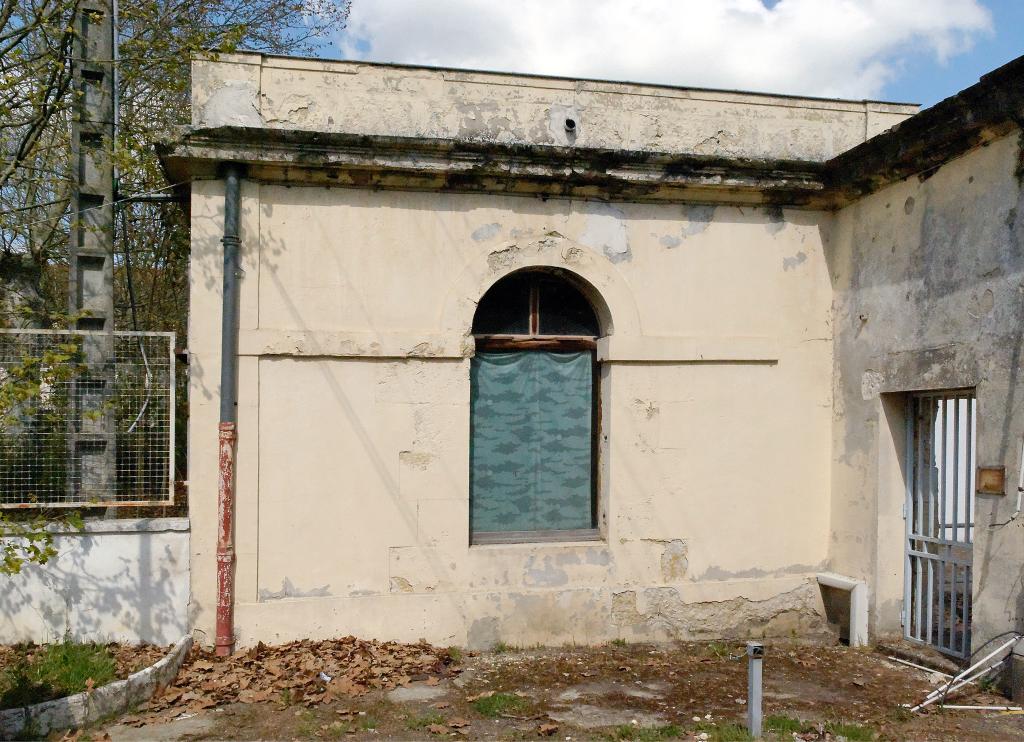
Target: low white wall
x=116 y=580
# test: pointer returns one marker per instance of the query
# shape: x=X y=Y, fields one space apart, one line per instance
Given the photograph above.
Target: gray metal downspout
x=229 y=320
x=227 y=429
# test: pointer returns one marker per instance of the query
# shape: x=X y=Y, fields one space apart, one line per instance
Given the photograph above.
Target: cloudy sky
x=911 y=50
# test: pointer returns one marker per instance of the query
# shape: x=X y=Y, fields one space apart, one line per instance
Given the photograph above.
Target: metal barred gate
x=939 y=515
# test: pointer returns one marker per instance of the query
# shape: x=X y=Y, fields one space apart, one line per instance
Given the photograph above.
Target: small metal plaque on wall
x=991 y=480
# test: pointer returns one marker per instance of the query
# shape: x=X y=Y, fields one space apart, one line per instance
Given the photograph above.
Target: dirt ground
x=643 y=692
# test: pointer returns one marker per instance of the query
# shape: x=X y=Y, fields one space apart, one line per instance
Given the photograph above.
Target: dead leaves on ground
x=304 y=672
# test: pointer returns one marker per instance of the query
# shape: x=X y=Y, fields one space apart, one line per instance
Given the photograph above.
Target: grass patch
x=718 y=649
x=727 y=732
x=783 y=724
x=339 y=730
x=502 y=647
x=498 y=704
x=53 y=671
x=646 y=734
x=852 y=732
x=620 y=642
x=422 y=722
x=455 y=654
x=308 y=724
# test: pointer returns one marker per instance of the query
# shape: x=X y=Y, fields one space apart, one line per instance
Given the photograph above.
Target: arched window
x=533 y=408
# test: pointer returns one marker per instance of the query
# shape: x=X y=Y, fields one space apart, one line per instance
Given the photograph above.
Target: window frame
x=534 y=341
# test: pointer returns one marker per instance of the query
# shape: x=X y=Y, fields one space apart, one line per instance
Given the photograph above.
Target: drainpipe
x=228 y=416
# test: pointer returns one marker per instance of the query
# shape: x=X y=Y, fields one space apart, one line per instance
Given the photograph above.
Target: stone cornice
x=304 y=157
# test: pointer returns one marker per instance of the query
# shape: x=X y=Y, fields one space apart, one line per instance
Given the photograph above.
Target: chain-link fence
x=77 y=432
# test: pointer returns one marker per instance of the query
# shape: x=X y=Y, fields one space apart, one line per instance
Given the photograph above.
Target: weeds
x=727 y=732
x=53 y=671
x=718 y=649
x=422 y=722
x=307 y=725
x=455 y=654
x=620 y=642
x=852 y=732
x=646 y=734
x=498 y=704
x=339 y=730
x=502 y=647
x=783 y=724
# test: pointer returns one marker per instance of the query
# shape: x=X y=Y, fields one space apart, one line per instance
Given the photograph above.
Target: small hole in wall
x=570 y=126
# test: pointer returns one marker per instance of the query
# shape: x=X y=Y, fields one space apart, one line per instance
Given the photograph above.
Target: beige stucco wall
x=928 y=275
x=353 y=452
x=333 y=96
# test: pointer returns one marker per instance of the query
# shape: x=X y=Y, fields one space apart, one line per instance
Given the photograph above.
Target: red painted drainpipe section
x=227 y=430
x=225 y=540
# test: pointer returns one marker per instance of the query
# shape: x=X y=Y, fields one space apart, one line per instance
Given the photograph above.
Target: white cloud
x=841 y=48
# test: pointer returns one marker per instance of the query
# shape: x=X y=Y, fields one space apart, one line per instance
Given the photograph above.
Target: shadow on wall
x=122 y=580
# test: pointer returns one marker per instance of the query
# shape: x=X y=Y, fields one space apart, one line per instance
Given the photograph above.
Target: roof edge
x=988 y=110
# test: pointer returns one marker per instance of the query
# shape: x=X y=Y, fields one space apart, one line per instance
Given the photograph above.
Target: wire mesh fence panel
x=86 y=418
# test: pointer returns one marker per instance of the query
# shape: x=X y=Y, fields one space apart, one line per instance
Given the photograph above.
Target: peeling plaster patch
x=556 y=124
x=793 y=612
x=415 y=459
x=982 y=305
x=486 y=232
x=233 y=104
x=710 y=143
x=646 y=408
x=871 y=384
x=546 y=575
x=670 y=241
x=756 y=573
x=624 y=608
x=288 y=590
x=478 y=121
x=502 y=258
x=776 y=219
x=605 y=232
x=598 y=557
x=674 y=563
x=483 y=633
x=793 y=262
x=699 y=217
x=400 y=585
x=572 y=255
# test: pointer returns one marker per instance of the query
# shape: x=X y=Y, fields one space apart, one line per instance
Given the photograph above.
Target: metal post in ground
x=755 y=654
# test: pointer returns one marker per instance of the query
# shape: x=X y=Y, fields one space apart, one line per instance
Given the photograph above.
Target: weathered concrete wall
x=117 y=580
x=928 y=295
x=353 y=449
x=358 y=98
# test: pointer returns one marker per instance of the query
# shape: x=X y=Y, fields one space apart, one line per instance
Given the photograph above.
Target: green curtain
x=531 y=441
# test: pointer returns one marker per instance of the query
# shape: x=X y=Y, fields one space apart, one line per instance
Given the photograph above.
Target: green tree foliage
x=157 y=40
x=27 y=389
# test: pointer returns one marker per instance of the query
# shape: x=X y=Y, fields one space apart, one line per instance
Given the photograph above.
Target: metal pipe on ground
x=968 y=675
x=227 y=433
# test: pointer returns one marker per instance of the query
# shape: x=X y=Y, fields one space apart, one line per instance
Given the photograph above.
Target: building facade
x=533 y=360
